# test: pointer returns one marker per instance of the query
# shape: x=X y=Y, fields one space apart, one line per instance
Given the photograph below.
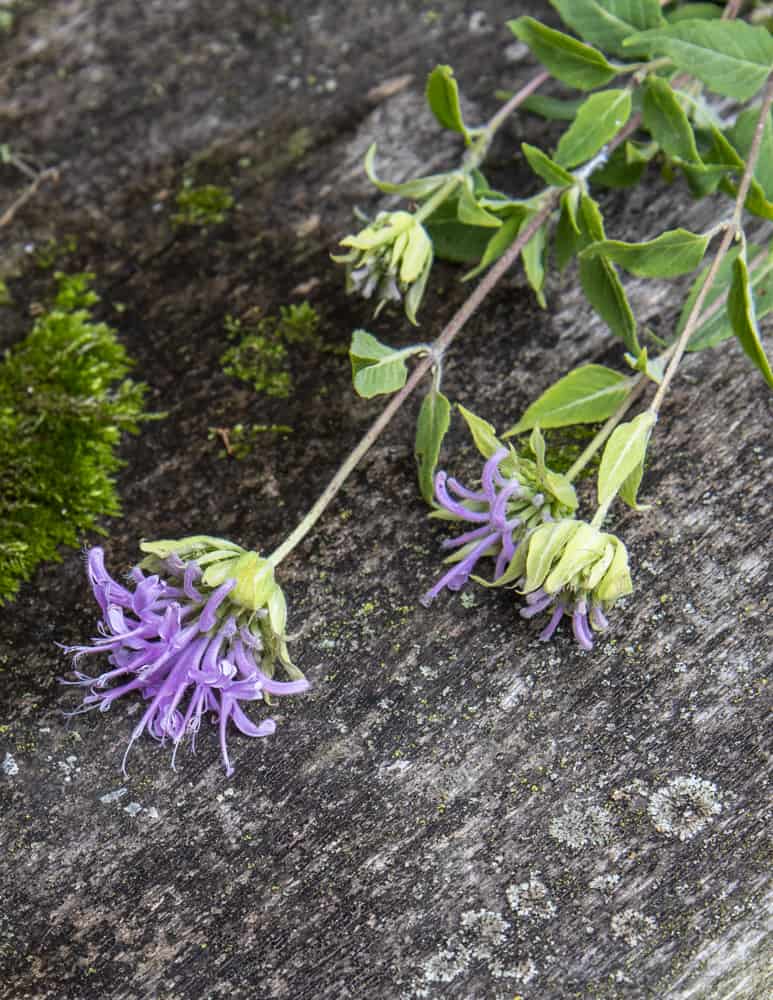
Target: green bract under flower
x=255 y=590
x=389 y=259
x=573 y=556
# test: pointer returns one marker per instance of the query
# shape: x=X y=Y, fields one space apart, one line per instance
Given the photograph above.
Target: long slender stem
x=516 y=101
x=446 y=337
x=732 y=231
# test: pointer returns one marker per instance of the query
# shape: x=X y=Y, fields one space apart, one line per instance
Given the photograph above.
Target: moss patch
x=64 y=404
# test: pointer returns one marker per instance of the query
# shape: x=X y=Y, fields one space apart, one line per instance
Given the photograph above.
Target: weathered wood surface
x=456 y=810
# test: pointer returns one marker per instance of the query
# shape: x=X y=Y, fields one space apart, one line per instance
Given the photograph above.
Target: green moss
x=260 y=357
x=64 y=404
x=207 y=205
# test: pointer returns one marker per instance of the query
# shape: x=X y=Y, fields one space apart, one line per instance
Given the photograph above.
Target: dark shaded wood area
x=456 y=810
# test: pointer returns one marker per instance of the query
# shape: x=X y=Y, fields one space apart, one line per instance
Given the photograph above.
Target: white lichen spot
x=632 y=926
x=582 y=825
x=10 y=767
x=479 y=941
x=684 y=806
x=133 y=808
x=605 y=884
x=531 y=900
x=109 y=797
x=487 y=931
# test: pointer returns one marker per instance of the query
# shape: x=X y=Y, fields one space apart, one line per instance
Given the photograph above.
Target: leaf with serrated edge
x=431 y=427
x=607 y=22
x=740 y=309
x=675 y=252
x=587 y=395
x=599 y=119
x=732 y=58
x=568 y=60
x=624 y=450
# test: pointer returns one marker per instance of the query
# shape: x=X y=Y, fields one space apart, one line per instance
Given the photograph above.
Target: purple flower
x=562 y=604
x=488 y=509
x=187 y=648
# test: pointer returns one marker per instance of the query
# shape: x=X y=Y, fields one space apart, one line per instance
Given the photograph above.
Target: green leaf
x=567 y=229
x=499 y=242
x=550 y=172
x=731 y=57
x=419 y=188
x=376 y=368
x=599 y=119
x=740 y=309
x=741 y=136
x=564 y=57
x=433 y=422
x=665 y=120
x=600 y=281
x=623 y=168
x=607 y=22
x=672 y=253
x=587 y=395
x=472 y=214
x=723 y=152
x=624 y=452
x=533 y=255
x=443 y=98
x=717 y=328
x=483 y=434
x=652 y=369
x=547 y=543
x=552 y=108
x=629 y=491
x=694 y=12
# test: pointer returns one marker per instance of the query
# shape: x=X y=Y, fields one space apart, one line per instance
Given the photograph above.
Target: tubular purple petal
x=536 y=607
x=490 y=470
x=453 y=506
x=580 y=626
x=598 y=619
x=468 y=536
x=461 y=491
x=208 y=615
x=547 y=633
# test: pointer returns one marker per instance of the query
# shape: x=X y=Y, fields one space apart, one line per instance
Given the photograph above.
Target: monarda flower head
x=570 y=568
x=200 y=634
x=389 y=259
x=515 y=495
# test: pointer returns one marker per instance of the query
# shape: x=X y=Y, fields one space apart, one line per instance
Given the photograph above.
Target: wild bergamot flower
x=515 y=495
x=570 y=568
x=200 y=634
x=389 y=259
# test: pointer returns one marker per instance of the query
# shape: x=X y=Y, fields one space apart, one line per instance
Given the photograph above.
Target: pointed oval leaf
x=732 y=58
x=624 y=451
x=740 y=309
x=675 y=252
x=565 y=58
x=599 y=119
x=483 y=434
x=665 y=120
x=587 y=395
x=550 y=172
x=500 y=241
x=443 y=98
x=607 y=23
x=380 y=378
x=473 y=214
x=431 y=428
x=605 y=292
